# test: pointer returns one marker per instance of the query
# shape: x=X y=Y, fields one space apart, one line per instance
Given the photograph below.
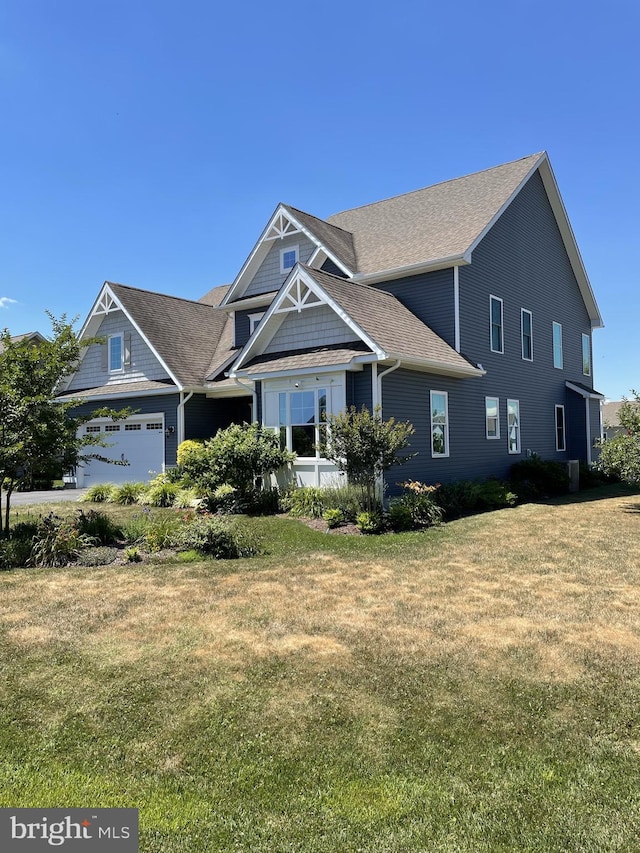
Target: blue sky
x=148 y=142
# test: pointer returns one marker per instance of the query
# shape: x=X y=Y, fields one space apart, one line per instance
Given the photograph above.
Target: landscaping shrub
x=226 y=500
x=216 y=537
x=420 y=499
x=333 y=517
x=265 y=501
x=370 y=522
x=187 y=498
x=100 y=493
x=400 y=515
x=468 y=496
x=238 y=455
x=536 y=478
x=134 y=528
x=349 y=498
x=57 y=542
x=160 y=492
x=159 y=532
x=98 y=526
x=305 y=502
x=127 y=493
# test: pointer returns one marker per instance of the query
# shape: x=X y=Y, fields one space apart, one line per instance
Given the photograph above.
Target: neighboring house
x=29 y=337
x=463 y=307
x=611 y=425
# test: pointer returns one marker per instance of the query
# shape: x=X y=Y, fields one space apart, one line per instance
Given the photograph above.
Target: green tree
x=236 y=456
x=620 y=455
x=364 y=446
x=37 y=432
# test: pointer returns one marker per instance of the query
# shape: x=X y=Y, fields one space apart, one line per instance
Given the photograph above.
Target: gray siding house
x=463 y=307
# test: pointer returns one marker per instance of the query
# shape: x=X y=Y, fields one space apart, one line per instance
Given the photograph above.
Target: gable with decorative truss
x=108 y=317
x=286 y=238
x=301 y=316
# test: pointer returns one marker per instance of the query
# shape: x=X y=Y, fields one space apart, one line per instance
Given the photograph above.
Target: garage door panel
x=138 y=442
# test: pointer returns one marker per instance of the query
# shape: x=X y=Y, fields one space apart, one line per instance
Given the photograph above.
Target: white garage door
x=138 y=441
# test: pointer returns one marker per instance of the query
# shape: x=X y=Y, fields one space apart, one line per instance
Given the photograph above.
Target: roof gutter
x=413 y=269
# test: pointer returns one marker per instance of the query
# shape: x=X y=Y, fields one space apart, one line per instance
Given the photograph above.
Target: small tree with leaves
x=620 y=455
x=364 y=446
x=37 y=432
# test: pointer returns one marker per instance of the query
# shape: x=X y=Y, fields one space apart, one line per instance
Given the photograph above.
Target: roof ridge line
x=164 y=295
x=437 y=184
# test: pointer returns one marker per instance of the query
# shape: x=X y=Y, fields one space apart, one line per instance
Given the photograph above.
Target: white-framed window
x=586 y=355
x=526 y=333
x=92 y=429
x=132 y=427
x=112 y=428
x=155 y=425
x=496 y=324
x=561 y=439
x=288 y=259
x=492 y=416
x=254 y=319
x=513 y=425
x=558 y=360
x=302 y=416
x=116 y=353
x=439 y=423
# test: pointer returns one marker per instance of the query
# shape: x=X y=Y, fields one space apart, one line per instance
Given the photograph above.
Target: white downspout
x=254 y=396
x=377 y=388
x=456 y=307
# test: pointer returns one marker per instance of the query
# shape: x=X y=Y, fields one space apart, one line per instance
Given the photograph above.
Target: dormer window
x=288 y=259
x=116 y=353
x=254 y=319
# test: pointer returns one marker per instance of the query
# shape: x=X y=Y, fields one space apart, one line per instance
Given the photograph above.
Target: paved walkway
x=49 y=497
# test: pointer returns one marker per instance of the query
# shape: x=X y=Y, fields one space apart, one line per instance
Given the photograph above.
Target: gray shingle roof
x=391 y=325
x=431 y=224
x=122 y=388
x=338 y=241
x=305 y=359
x=185 y=334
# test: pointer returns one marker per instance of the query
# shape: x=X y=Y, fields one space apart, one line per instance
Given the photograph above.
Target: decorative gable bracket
x=297 y=297
x=281 y=227
x=106 y=303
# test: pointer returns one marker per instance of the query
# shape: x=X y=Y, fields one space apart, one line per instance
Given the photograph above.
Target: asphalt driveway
x=48 y=497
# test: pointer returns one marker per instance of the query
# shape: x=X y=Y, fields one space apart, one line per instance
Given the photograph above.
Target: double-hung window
x=288 y=259
x=439 y=423
x=497 y=329
x=526 y=329
x=116 y=353
x=558 y=360
x=302 y=416
x=586 y=355
x=492 y=416
x=513 y=425
x=561 y=440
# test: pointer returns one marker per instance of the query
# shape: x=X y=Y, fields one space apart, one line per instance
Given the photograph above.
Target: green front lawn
x=471 y=688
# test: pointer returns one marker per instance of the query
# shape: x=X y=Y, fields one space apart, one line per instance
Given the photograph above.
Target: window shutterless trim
x=438 y=423
x=523 y=337
x=111 y=339
x=586 y=355
x=296 y=249
x=498 y=326
x=558 y=357
x=561 y=431
x=488 y=417
x=513 y=429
